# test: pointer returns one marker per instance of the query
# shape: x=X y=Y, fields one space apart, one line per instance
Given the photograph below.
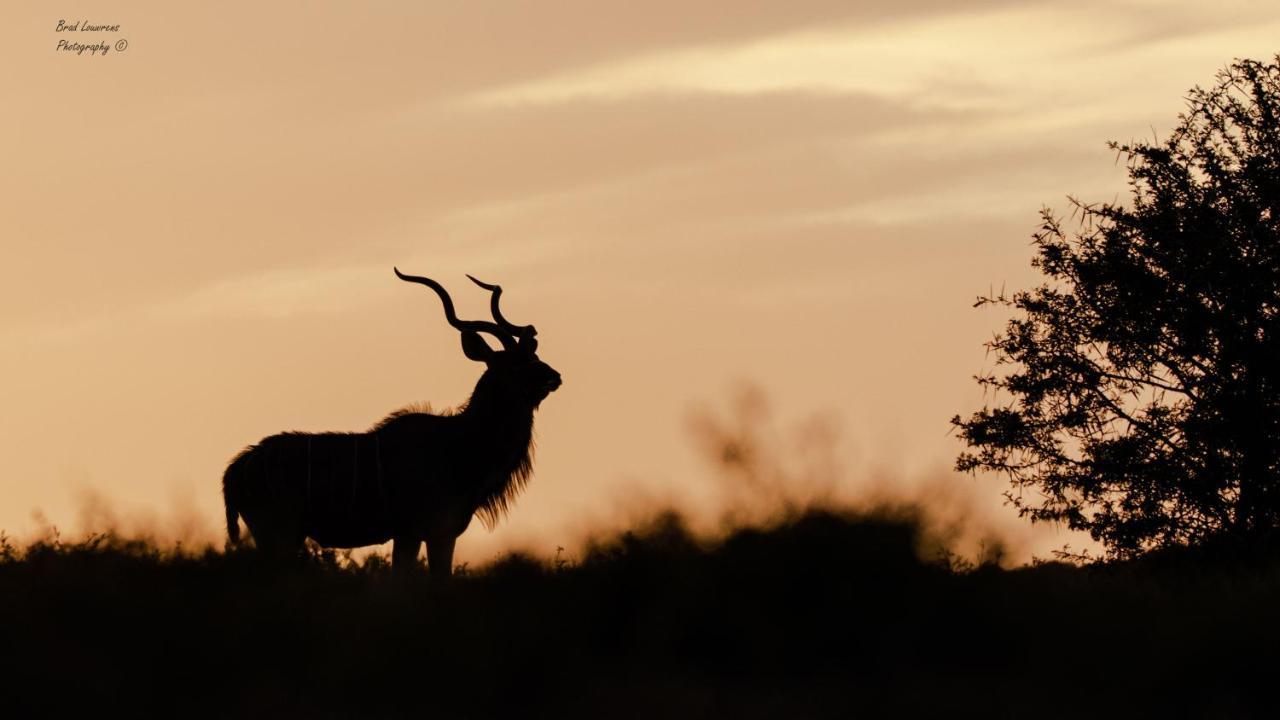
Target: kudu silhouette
x=415 y=476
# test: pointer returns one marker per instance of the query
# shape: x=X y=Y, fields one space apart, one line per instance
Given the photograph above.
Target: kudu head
x=514 y=374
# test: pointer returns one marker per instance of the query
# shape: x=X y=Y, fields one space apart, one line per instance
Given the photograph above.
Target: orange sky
x=199 y=231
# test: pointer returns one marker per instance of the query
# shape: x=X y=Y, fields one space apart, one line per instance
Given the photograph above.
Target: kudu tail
x=233 y=524
x=229 y=493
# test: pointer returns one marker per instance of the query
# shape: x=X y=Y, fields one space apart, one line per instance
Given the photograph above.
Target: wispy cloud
x=1015 y=58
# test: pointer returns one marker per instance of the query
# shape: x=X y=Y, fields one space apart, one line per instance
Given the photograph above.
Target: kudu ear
x=475 y=348
x=529 y=344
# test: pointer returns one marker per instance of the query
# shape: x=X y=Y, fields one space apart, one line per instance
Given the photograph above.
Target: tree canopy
x=1136 y=392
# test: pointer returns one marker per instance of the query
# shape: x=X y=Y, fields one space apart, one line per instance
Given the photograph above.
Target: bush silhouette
x=820 y=614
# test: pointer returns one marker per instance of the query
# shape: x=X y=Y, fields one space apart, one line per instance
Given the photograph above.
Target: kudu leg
x=404 y=554
x=440 y=556
x=279 y=548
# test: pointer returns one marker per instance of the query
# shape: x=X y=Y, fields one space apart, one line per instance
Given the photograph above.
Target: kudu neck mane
x=509 y=422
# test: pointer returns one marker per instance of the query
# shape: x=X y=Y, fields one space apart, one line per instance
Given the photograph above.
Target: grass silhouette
x=821 y=613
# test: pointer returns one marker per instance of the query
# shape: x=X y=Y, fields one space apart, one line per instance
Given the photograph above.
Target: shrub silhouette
x=821 y=614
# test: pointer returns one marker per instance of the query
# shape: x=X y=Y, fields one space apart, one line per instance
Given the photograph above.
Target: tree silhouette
x=1136 y=393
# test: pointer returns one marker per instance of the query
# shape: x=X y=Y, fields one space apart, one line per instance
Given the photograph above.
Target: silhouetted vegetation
x=1137 y=392
x=820 y=614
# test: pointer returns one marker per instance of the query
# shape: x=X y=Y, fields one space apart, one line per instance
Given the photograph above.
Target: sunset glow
x=800 y=197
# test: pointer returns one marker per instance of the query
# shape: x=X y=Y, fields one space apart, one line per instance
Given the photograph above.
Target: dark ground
x=823 y=615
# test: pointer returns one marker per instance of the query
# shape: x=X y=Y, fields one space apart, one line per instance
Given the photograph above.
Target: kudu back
x=415 y=476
